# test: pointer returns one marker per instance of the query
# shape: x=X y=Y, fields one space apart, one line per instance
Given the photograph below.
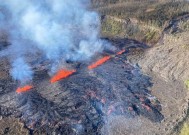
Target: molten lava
x=62 y=74
x=24 y=89
x=147 y=107
x=99 y=62
x=121 y=52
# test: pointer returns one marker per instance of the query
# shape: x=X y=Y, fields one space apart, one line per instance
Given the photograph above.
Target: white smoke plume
x=58 y=29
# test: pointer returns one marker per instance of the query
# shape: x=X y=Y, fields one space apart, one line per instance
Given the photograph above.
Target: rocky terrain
x=141 y=91
x=85 y=102
x=168 y=63
x=167 y=86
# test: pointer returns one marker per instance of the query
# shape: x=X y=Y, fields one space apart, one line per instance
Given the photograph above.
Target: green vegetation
x=140 y=32
x=184 y=25
x=165 y=12
x=153 y=12
x=112 y=27
x=147 y=18
x=185 y=129
x=152 y=37
x=187 y=83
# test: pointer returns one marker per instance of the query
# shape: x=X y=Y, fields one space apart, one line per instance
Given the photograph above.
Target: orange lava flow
x=24 y=89
x=99 y=62
x=121 y=52
x=62 y=74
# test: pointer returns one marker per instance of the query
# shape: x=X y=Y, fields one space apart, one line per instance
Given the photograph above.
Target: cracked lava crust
x=81 y=103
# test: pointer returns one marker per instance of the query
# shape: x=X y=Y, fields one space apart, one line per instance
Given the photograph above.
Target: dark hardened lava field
x=81 y=103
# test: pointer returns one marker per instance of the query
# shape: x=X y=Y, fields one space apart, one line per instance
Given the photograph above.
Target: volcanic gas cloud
x=49 y=30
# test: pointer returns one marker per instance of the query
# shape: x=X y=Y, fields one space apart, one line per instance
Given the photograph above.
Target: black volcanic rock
x=80 y=103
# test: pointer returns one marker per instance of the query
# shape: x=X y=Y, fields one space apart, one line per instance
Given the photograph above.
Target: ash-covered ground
x=83 y=102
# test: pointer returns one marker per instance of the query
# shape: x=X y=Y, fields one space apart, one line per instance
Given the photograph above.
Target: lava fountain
x=121 y=52
x=61 y=74
x=24 y=89
x=99 y=62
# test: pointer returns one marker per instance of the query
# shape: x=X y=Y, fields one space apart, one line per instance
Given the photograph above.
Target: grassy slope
x=147 y=18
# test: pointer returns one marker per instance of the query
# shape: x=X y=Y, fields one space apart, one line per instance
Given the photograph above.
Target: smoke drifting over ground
x=58 y=30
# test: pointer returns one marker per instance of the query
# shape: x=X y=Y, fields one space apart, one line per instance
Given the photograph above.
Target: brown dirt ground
x=168 y=66
x=12 y=126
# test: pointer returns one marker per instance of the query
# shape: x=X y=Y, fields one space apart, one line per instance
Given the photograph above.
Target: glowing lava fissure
x=61 y=74
x=24 y=89
x=121 y=52
x=103 y=60
x=99 y=62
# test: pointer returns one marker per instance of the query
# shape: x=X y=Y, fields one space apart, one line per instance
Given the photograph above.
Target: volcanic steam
x=48 y=30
